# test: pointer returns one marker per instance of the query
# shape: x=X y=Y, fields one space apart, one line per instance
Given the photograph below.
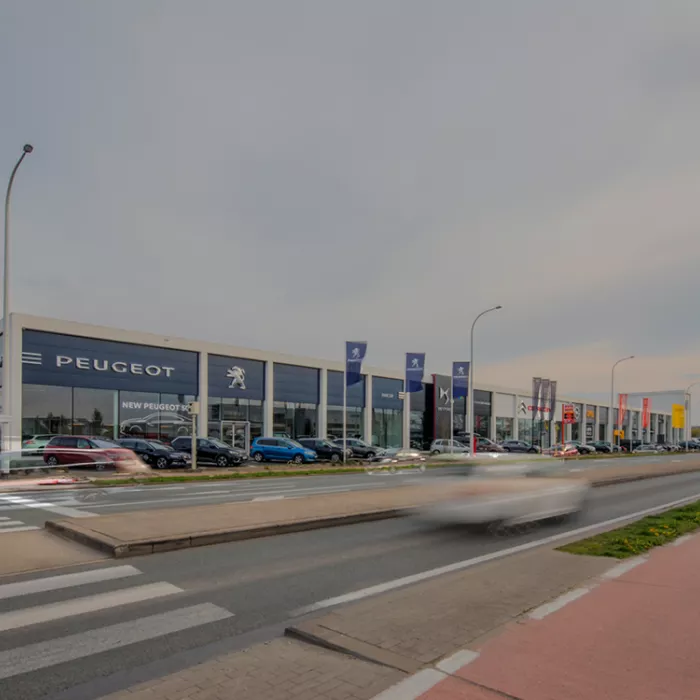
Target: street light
x=612 y=394
x=471 y=378
x=688 y=423
x=6 y=359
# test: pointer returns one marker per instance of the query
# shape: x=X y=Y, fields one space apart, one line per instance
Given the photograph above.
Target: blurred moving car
x=84 y=451
x=266 y=449
x=360 y=448
x=35 y=444
x=439 y=447
x=604 y=447
x=519 y=446
x=211 y=450
x=399 y=455
x=567 y=450
x=157 y=454
x=325 y=449
x=583 y=449
x=502 y=503
x=647 y=447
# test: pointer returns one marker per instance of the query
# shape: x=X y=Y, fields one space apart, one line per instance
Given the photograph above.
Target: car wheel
x=258 y=457
x=135 y=430
x=52 y=461
x=506 y=449
x=335 y=458
x=532 y=450
x=298 y=459
x=161 y=463
x=222 y=461
x=435 y=452
x=370 y=455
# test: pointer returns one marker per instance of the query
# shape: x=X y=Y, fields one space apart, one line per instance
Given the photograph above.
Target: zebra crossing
x=8 y=524
x=113 y=591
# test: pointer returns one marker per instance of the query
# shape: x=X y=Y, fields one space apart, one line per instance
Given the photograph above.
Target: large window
x=354 y=422
x=504 y=429
x=482 y=425
x=155 y=416
x=46 y=409
x=94 y=412
x=387 y=427
x=236 y=410
x=525 y=429
x=295 y=419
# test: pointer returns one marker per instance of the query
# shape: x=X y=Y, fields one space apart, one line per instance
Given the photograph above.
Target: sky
x=290 y=175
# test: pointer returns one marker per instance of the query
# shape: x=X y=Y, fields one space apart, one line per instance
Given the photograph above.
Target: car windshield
x=294 y=443
x=219 y=443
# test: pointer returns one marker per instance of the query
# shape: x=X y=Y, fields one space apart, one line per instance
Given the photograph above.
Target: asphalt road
x=111 y=625
x=32 y=509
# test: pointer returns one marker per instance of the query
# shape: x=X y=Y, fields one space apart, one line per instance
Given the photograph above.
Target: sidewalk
x=632 y=637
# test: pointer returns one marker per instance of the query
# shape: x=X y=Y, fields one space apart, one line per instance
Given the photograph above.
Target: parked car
x=157 y=454
x=439 y=447
x=35 y=444
x=485 y=445
x=155 y=424
x=360 y=448
x=567 y=450
x=689 y=445
x=519 y=446
x=83 y=451
x=325 y=449
x=266 y=449
x=646 y=447
x=211 y=450
x=604 y=447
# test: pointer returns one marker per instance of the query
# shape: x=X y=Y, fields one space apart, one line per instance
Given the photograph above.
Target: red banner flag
x=621 y=410
x=646 y=411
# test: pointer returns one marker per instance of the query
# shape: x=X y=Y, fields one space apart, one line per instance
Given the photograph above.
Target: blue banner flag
x=354 y=354
x=460 y=379
x=415 y=365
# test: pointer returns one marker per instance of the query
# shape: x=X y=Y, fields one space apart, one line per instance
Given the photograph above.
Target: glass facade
x=387 y=427
x=354 y=425
x=226 y=410
x=504 y=429
x=295 y=420
x=525 y=429
x=103 y=412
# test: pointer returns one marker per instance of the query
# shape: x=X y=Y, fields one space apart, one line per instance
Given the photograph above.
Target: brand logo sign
x=93 y=364
x=237 y=376
x=444 y=395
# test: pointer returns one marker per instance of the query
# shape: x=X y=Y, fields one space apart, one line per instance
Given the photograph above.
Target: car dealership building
x=73 y=378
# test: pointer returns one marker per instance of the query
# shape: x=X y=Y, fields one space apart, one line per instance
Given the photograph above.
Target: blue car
x=275 y=449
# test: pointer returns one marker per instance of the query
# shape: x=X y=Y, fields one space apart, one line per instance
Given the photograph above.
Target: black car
x=211 y=450
x=156 y=453
x=519 y=446
x=325 y=449
x=359 y=448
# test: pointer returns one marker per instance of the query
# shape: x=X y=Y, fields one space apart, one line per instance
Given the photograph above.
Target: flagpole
x=452 y=409
x=345 y=410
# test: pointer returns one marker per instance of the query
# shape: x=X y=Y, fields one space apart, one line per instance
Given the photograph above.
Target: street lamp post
x=6 y=358
x=612 y=395
x=688 y=423
x=471 y=378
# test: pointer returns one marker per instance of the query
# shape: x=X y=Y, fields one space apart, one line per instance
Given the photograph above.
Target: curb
x=119 y=549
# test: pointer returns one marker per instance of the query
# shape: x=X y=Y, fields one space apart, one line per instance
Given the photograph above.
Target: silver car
x=440 y=447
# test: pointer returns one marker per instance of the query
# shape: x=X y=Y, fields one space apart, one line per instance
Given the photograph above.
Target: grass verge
x=641 y=536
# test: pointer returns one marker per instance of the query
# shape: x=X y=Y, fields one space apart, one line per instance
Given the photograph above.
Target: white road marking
x=43 y=505
x=623 y=568
x=468 y=563
x=413 y=686
x=10 y=523
x=269 y=498
x=453 y=663
x=23 y=528
x=78 y=606
x=558 y=603
x=54 y=583
x=33 y=657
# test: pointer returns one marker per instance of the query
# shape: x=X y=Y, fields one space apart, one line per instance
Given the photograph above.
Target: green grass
x=641 y=536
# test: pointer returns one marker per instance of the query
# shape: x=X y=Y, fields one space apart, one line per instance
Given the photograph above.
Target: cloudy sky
x=288 y=175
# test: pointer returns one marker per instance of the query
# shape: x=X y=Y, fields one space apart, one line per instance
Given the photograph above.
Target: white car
x=440 y=447
x=502 y=503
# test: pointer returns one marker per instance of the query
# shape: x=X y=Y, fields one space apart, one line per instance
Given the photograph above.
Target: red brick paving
x=631 y=638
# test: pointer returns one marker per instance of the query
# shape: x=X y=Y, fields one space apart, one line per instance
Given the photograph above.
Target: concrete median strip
x=147 y=532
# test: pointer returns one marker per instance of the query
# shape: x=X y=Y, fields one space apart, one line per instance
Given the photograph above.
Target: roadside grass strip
x=641 y=536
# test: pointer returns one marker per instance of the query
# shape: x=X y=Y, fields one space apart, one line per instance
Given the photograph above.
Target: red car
x=80 y=451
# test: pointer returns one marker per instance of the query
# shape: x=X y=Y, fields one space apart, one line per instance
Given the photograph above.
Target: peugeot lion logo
x=414 y=363
x=460 y=371
x=356 y=353
x=237 y=377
